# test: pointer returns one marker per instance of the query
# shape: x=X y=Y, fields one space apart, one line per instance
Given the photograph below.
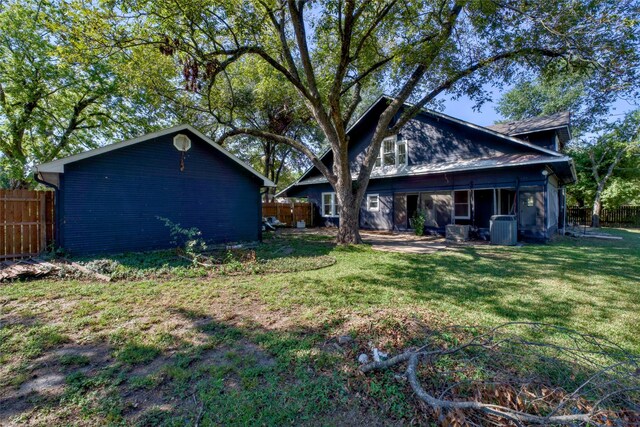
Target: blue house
x=455 y=172
x=110 y=199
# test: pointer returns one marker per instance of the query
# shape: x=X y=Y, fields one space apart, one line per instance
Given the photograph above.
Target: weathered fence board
x=289 y=213
x=26 y=222
x=623 y=216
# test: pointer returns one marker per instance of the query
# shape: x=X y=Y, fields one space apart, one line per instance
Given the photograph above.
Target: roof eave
x=57 y=166
x=461 y=169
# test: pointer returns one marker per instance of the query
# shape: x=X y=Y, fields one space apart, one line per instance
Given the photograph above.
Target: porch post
x=495 y=202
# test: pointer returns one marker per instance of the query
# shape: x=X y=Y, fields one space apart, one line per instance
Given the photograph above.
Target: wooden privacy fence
x=623 y=216
x=289 y=213
x=26 y=222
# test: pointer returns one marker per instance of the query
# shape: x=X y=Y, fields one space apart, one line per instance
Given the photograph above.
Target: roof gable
x=58 y=166
x=559 y=121
x=361 y=125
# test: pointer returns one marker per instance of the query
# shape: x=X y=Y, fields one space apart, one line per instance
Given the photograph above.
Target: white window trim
x=334 y=214
x=453 y=196
x=397 y=142
x=369 y=197
x=406 y=152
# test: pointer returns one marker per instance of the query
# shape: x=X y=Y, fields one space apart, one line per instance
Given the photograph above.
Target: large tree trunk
x=348 y=232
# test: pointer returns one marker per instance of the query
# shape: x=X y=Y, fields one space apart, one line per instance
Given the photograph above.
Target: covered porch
x=538 y=209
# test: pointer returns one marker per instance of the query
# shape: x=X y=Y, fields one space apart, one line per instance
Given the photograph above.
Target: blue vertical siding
x=110 y=202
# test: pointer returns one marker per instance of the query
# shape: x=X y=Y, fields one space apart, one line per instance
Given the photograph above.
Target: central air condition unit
x=504 y=230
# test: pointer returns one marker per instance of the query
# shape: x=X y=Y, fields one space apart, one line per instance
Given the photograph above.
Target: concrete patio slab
x=403 y=242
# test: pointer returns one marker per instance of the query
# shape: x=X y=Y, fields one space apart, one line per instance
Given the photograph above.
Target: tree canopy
x=58 y=94
x=328 y=53
x=283 y=70
x=605 y=151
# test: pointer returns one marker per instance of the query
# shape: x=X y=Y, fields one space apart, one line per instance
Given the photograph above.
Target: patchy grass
x=170 y=344
x=274 y=256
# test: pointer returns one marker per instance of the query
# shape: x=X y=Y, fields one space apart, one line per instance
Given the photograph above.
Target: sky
x=462 y=108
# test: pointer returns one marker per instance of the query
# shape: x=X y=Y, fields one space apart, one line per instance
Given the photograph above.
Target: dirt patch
x=47 y=377
x=242 y=350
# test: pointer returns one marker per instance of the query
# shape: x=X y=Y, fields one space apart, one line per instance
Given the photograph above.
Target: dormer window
x=392 y=153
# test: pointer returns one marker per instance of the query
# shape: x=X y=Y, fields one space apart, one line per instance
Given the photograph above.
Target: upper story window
x=392 y=153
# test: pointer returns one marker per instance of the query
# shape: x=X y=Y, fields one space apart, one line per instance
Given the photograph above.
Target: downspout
x=56 y=192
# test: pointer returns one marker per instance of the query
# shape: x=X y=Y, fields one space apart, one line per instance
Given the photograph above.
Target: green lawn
x=175 y=344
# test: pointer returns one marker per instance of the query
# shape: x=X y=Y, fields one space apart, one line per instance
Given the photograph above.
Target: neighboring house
x=110 y=199
x=455 y=172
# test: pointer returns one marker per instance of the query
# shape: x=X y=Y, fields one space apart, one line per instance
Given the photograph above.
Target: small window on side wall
x=373 y=202
x=461 y=204
x=330 y=206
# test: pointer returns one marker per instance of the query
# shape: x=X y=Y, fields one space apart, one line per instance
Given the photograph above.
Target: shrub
x=190 y=239
x=419 y=219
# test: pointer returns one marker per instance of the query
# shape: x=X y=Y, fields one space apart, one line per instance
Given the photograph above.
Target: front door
x=483 y=207
x=400 y=211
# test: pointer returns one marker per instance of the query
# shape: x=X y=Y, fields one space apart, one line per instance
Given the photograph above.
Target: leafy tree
x=556 y=91
x=598 y=160
x=330 y=52
x=604 y=152
x=621 y=191
x=58 y=95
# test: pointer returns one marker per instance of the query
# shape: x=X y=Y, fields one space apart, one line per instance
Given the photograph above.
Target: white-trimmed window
x=373 y=202
x=462 y=204
x=401 y=153
x=392 y=153
x=330 y=207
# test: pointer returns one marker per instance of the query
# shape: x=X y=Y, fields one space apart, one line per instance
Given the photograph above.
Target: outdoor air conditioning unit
x=504 y=230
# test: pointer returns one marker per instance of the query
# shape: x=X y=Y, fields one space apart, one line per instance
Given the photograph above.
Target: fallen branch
x=497 y=410
x=509 y=389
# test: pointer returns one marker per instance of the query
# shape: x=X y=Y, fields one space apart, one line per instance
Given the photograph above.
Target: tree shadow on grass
x=234 y=375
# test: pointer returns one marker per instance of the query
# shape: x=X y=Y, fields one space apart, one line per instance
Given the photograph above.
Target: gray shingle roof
x=560 y=121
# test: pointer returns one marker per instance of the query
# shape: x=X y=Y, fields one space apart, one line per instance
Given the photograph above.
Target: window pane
x=326 y=204
x=461 y=196
x=462 y=210
x=389 y=146
x=402 y=153
x=373 y=202
x=389 y=151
